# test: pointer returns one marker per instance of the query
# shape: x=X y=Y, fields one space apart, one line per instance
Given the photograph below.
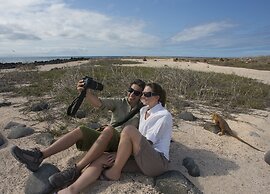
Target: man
x=86 y=139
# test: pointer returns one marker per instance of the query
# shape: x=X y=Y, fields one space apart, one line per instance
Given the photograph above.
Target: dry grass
x=227 y=92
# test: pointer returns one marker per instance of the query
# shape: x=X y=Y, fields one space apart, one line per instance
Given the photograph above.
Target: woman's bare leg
x=129 y=143
x=89 y=176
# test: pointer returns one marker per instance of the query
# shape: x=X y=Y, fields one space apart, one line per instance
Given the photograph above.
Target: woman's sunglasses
x=135 y=92
x=149 y=94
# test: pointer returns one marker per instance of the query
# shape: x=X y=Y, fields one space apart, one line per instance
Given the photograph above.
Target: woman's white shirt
x=157 y=127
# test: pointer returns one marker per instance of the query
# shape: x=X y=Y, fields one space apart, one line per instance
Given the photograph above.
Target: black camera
x=92 y=84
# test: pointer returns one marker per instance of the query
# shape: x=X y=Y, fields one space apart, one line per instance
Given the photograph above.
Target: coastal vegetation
x=227 y=93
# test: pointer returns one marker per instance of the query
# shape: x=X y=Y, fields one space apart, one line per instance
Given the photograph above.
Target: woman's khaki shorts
x=91 y=135
x=148 y=160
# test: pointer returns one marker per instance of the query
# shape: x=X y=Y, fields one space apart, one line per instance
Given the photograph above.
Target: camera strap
x=75 y=105
x=129 y=116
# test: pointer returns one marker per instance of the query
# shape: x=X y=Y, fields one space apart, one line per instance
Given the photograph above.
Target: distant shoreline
x=14 y=62
x=35 y=59
x=11 y=65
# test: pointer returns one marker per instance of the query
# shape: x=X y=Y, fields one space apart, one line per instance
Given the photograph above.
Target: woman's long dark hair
x=157 y=89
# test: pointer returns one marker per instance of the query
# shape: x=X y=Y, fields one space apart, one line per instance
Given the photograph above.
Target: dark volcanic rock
x=19 y=131
x=12 y=124
x=267 y=157
x=38 y=183
x=81 y=114
x=39 y=106
x=173 y=182
x=45 y=139
x=94 y=125
x=187 y=116
x=2 y=140
x=4 y=103
x=191 y=166
x=212 y=127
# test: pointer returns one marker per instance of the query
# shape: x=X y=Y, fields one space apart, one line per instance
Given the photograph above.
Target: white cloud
x=47 y=25
x=200 y=32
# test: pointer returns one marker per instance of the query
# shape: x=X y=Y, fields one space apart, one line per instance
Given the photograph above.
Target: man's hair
x=138 y=82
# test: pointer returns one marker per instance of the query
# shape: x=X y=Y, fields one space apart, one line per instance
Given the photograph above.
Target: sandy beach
x=227 y=165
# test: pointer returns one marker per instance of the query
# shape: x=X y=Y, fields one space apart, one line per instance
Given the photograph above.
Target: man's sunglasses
x=149 y=94
x=135 y=92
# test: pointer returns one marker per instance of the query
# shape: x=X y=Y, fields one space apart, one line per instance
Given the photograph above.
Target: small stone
x=187 y=116
x=267 y=157
x=211 y=127
x=94 y=125
x=81 y=114
x=173 y=181
x=191 y=166
x=12 y=124
x=39 y=106
x=45 y=139
x=2 y=140
x=19 y=131
x=4 y=103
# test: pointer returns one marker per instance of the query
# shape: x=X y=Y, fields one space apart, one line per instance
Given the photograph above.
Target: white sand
x=227 y=165
x=263 y=76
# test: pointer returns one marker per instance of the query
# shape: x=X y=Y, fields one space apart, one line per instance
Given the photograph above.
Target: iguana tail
x=235 y=136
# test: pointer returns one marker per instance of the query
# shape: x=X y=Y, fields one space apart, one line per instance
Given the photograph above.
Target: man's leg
x=63 y=143
x=129 y=143
x=97 y=148
x=69 y=175
x=33 y=158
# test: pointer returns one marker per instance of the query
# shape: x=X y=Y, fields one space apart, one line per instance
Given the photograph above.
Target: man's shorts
x=91 y=135
x=149 y=161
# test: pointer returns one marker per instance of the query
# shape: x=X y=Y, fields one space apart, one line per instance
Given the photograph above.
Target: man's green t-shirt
x=120 y=109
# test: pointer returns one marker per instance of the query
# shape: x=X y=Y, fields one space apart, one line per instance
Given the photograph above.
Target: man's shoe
x=65 y=177
x=31 y=158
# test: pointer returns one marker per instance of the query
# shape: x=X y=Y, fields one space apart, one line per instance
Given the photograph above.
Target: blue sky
x=199 y=28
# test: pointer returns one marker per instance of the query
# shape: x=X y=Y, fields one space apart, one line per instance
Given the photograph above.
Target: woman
x=149 y=145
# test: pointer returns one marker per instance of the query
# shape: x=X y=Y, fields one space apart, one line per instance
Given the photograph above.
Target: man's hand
x=94 y=100
x=80 y=86
x=110 y=159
